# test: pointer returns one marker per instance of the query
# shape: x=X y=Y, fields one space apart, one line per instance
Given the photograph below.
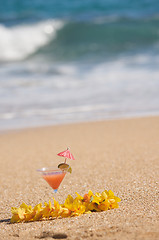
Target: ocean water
x=72 y=61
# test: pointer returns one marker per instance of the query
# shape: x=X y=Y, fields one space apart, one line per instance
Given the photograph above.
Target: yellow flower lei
x=71 y=207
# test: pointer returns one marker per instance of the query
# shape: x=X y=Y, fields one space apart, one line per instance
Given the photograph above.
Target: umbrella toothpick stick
x=66 y=154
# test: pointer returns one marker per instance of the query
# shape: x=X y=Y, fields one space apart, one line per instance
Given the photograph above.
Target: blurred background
x=64 y=61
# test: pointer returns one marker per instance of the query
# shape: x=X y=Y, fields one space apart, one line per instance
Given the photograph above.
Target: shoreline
x=15 y=129
x=120 y=155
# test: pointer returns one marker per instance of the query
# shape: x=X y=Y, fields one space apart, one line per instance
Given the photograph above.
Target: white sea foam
x=127 y=86
x=18 y=42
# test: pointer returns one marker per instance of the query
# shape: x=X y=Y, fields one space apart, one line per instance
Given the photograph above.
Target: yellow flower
x=68 y=202
x=65 y=212
x=75 y=205
x=18 y=215
x=57 y=209
x=47 y=211
x=104 y=206
x=110 y=193
x=38 y=212
x=77 y=208
x=104 y=194
x=28 y=212
x=23 y=213
x=97 y=198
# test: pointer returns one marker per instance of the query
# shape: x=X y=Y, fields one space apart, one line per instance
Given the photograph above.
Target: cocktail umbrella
x=66 y=154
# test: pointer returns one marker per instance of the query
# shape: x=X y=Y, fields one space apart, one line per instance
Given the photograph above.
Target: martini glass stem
x=65 y=160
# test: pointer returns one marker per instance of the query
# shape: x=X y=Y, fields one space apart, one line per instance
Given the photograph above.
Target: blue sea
x=77 y=60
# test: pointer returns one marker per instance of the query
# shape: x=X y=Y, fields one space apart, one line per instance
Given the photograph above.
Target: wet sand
x=121 y=155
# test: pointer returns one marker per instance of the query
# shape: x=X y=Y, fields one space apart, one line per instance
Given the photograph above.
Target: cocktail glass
x=53 y=176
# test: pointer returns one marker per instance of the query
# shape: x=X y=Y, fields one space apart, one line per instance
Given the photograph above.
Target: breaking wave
x=18 y=42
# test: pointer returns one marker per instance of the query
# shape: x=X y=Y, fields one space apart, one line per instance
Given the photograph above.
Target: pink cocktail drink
x=53 y=177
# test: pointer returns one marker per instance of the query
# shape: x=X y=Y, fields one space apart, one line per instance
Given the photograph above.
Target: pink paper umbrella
x=66 y=154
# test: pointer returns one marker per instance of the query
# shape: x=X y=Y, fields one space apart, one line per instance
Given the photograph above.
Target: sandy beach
x=121 y=155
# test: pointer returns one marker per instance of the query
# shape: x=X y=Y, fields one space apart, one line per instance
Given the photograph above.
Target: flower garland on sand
x=71 y=207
